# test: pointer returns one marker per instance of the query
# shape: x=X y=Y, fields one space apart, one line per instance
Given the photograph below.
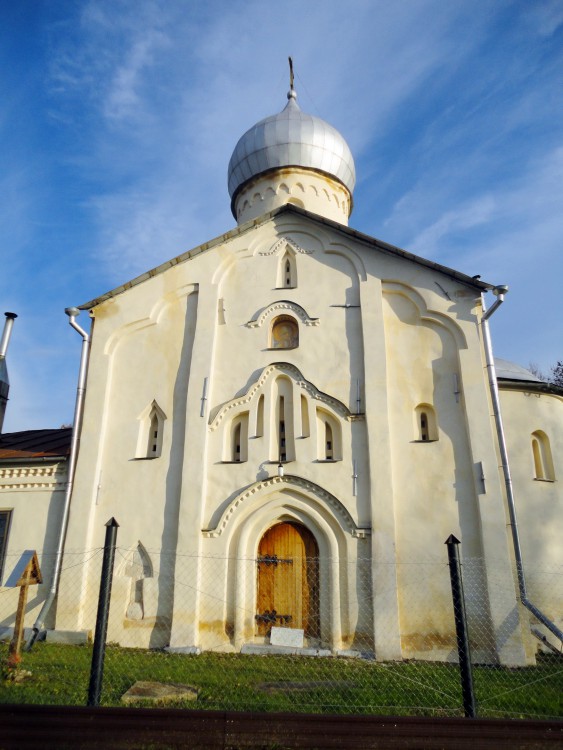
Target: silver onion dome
x=291 y=139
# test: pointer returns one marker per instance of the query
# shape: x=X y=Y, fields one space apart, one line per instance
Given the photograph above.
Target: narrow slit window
x=281 y=427
x=236 y=443
x=305 y=429
x=154 y=436
x=260 y=417
x=329 y=454
x=287 y=271
x=282 y=445
x=237 y=448
x=426 y=424
x=151 y=433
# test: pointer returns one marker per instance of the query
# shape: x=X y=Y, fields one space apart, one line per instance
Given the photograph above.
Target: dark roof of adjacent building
x=35 y=444
x=511 y=376
x=511 y=371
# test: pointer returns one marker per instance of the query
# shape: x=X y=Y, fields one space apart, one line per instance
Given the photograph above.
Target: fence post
x=97 y=668
x=460 y=615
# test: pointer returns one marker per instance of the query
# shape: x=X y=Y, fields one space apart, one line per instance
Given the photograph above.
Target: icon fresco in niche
x=285 y=333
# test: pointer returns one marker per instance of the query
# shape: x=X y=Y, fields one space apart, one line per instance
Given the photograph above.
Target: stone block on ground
x=195 y=650
x=159 y=692
x=259 y=649
x=70 y=637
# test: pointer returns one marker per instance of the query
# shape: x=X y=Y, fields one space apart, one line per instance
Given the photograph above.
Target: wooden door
x=288 y=580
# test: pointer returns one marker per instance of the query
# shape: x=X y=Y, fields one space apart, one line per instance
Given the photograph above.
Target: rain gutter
x=499 y=292
x=73 y=313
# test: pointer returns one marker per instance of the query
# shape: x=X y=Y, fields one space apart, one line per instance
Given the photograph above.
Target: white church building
x=287 y=422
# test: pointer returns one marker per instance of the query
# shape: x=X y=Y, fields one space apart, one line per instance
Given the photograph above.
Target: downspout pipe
x=73 y=313
x=500 y=292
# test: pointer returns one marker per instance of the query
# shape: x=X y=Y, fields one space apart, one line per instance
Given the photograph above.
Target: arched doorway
x=288 y=580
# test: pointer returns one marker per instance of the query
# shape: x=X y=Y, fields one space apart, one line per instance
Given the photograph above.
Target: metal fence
x=265 y=634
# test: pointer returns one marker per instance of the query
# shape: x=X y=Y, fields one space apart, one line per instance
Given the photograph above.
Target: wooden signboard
x=26 y=573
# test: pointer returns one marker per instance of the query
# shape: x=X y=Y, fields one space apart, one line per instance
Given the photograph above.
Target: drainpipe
x=499 y=292
x=73 y=313
x=4 y=379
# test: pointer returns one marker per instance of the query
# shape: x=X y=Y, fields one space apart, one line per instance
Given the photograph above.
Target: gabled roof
x=513 y=377
x=474 y=283
x=35 y=444
x=507 y=370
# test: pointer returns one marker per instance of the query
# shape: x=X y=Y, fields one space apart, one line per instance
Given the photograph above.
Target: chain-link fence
x=283 y=632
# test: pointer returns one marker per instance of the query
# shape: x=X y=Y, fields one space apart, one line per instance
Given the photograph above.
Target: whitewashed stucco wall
x=381 y=320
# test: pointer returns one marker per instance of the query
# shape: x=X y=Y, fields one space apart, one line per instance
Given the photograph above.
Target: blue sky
x=118 y=119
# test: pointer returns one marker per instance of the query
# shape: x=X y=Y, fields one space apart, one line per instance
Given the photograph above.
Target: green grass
x=60 y=675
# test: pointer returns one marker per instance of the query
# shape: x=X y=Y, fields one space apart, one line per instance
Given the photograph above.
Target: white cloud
x=472 y=214
x=123 y=97
x=514 y=237
x=180 y=108
x=451 y=115
x=546 y=17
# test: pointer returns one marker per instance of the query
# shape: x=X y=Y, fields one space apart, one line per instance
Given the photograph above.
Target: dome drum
x=307 y=188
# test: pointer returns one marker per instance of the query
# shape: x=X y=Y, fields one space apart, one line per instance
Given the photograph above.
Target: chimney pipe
x=5 y=340
x=4 y=379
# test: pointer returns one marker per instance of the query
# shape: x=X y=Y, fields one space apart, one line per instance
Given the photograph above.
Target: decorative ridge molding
x=283 y=304
x=285 y=241
x=289 y=480
x=30 y=471
x=294 y=373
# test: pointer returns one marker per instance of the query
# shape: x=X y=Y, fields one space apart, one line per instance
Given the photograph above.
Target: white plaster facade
x=365 y=316
x=181 y=439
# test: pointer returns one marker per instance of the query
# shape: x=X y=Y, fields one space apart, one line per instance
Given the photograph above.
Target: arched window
x=284 y=333
x=329 y=437
x=287 y=271
x=239 y=439
x=151 y=433
x=282 y=434
x=426 y=425
x=543 y=461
